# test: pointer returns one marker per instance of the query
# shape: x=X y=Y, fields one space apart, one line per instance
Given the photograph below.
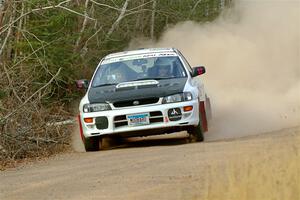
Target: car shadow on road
x=151 y=141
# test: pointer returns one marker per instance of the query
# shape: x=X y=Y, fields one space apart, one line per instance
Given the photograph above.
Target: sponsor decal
x=133 y=57
x=174 y=114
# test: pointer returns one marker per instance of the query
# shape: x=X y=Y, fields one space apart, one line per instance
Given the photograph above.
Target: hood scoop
x=137 y=84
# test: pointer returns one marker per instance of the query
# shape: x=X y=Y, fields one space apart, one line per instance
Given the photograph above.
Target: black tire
x=196 y=132
x=92 y=143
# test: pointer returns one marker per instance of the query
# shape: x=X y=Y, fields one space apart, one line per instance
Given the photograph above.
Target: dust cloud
x=252 y=57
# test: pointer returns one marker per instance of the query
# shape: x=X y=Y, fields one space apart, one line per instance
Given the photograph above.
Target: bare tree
x=116 y=23
x=1 y=11
x=153 y=19
x=59 y=5
x=84 y=23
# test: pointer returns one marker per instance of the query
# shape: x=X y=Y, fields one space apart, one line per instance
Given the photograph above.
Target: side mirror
x=198 y=71
x=82 y=84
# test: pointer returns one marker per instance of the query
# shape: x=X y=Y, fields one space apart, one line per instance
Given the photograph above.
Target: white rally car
x=140 y=93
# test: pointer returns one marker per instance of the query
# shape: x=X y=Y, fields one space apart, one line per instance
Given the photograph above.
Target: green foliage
x=2 y=94
x=51 y=31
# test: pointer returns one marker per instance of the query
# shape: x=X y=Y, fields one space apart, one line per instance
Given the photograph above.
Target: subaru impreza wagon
x=140 y=93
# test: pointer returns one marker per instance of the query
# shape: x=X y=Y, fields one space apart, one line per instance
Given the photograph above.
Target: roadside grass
x=268 y=171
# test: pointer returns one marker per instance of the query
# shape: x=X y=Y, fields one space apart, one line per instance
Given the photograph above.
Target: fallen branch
x=45 y=140
x=66 y=122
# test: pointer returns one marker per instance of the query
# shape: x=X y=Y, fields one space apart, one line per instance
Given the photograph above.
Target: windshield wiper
x=142 y=79
x=160 y=78
x=157 y=78
x=106 y=84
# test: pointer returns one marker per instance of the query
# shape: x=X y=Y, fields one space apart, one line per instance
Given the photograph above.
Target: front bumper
x=159 y=118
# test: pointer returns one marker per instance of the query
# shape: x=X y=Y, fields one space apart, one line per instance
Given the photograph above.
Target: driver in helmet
x=118 y=77
x=164 y=70
x=118 y=72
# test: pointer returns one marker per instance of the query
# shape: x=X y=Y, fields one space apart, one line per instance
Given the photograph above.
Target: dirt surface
x=266 y=166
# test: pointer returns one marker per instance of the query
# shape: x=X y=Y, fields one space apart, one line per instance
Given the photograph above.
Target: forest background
x=45 y=45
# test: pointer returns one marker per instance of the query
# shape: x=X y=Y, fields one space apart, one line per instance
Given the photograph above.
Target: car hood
x=113 y=94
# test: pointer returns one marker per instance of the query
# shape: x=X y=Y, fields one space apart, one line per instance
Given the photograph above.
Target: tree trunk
x=116 y=23
x=1 y=12
x=153 y=19
x=84 y=23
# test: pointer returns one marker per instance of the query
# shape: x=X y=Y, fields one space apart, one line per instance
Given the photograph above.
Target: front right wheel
x=92 y=143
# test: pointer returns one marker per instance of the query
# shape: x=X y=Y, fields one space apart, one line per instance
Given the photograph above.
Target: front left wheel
x=196 y=133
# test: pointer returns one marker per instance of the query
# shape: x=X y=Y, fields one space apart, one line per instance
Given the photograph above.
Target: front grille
x=136 y=102
x=155 y=117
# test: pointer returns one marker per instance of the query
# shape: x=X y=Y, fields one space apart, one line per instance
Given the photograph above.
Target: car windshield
x=112 y=72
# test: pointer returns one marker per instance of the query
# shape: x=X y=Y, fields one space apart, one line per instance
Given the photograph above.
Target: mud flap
x=80 y=128
x=208 y=109
x=203 y=119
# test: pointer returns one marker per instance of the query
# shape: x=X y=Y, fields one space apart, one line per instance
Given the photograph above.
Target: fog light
x=187 y=108
x=90 y=126
x=88 y=120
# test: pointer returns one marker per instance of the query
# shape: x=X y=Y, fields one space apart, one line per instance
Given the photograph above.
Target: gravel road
x=266 y=166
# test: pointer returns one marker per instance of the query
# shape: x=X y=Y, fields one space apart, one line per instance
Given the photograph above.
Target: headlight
x=186 y=96
x=96 y=107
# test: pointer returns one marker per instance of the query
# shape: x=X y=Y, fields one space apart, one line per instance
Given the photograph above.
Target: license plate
x=138 y=119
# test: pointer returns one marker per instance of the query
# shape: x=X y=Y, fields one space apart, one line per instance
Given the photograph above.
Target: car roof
x=141 y=51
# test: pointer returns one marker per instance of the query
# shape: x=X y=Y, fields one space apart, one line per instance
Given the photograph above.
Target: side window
x=186 y=62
